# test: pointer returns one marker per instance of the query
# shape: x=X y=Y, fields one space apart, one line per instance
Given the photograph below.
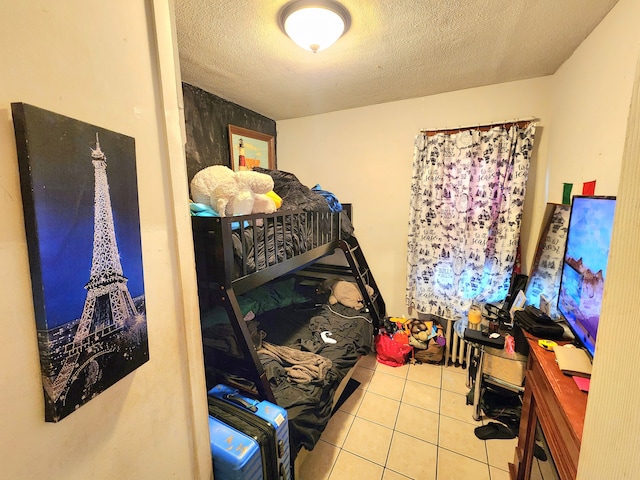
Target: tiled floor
x=410 y=422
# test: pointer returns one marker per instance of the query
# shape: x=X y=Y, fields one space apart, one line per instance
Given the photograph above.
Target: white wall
x=590 y=102
x=612 y=425
x=99 y=62
x=365 y=155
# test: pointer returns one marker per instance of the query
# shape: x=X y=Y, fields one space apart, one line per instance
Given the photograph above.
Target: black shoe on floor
x=539 y=453
x=494 y=430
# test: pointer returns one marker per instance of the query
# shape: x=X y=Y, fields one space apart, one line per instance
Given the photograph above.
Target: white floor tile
x=412 y=457
x=455 y=380
x=419 y=409
x=501 y=452
x=395 y=371
x=421 y=395
x=418 y=422
x=349 y=466
x=387 y=385
x=391 y=475
x=459 y=437
x=454 y=405
x=368 y=440
x=337 y=428
x=425 y=373
x=497 y=474
x=319 y=462
x=379 y=409
x=452 y=466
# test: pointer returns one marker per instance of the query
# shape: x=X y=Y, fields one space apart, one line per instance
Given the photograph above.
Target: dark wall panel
x=207 y=118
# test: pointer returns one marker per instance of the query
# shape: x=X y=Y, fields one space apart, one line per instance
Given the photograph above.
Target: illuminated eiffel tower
x=108 y=303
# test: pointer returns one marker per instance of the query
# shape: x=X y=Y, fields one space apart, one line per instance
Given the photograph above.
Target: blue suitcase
x=247 y=414
x=236 y=456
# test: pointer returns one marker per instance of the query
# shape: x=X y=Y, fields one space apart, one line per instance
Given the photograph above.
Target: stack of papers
x=573 y=361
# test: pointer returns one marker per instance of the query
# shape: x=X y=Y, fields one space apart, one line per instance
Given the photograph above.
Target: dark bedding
x=296 y=196
x=299 y=326
x=260 y=243
x=285 y=237
x=309 y=405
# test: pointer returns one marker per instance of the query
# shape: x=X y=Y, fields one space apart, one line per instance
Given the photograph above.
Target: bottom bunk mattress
x=306 y=350
x=337 y=333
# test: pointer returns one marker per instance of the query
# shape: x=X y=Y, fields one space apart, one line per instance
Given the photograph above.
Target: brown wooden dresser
x=553 y=400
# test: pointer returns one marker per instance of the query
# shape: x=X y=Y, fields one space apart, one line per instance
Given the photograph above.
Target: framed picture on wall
x=80 y=197
x=251 y=149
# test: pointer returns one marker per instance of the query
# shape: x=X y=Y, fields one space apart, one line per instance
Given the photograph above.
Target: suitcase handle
x=240 y=401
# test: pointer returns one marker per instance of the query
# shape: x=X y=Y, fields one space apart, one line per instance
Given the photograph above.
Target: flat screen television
x=584 y=267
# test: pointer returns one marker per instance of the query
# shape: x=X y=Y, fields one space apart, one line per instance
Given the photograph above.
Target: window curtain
x=467 y=195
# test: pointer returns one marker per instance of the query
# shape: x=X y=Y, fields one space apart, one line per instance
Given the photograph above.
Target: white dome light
x=314 y=25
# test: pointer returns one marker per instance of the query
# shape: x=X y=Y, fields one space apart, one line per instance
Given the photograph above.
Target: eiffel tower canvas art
x=79 y=191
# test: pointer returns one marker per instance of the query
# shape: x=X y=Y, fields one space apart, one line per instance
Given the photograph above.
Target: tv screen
x=584 y=268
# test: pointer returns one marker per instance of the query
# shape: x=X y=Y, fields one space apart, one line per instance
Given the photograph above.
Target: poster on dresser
x=80 y=200
x=544 y=279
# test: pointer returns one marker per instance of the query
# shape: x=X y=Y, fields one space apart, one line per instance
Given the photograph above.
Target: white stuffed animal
x=232 y=193
x=263 y=204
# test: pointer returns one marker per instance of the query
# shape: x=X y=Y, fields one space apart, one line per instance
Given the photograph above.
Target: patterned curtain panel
x=467 y=195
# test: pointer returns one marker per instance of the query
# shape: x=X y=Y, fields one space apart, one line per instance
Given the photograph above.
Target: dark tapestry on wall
x=207 y=118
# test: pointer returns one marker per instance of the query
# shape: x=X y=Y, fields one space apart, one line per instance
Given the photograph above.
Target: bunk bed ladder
x=363 y=276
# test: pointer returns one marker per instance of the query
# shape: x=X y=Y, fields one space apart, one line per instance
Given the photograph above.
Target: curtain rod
x=479 y=125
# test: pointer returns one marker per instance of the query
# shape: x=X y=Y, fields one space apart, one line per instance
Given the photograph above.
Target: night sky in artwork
x=62 y=177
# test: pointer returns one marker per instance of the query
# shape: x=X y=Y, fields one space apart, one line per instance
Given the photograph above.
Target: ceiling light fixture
x=314 y=24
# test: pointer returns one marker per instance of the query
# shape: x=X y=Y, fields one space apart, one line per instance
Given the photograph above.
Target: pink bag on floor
x=390 y=352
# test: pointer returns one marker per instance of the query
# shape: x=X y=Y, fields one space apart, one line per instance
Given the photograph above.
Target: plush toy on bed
x=233 y=193
x=347 y=293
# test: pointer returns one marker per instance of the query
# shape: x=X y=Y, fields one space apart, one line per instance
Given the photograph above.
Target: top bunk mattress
x=308 y=225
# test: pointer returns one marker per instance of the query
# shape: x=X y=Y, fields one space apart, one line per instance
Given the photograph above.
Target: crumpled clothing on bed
x=301 y=367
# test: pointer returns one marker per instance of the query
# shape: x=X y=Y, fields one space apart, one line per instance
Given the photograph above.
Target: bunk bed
x=240 y=261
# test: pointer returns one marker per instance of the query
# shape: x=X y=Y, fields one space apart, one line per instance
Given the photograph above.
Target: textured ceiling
x=394 y=50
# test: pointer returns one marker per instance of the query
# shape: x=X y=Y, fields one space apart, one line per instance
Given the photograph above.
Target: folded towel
x=301 y=367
